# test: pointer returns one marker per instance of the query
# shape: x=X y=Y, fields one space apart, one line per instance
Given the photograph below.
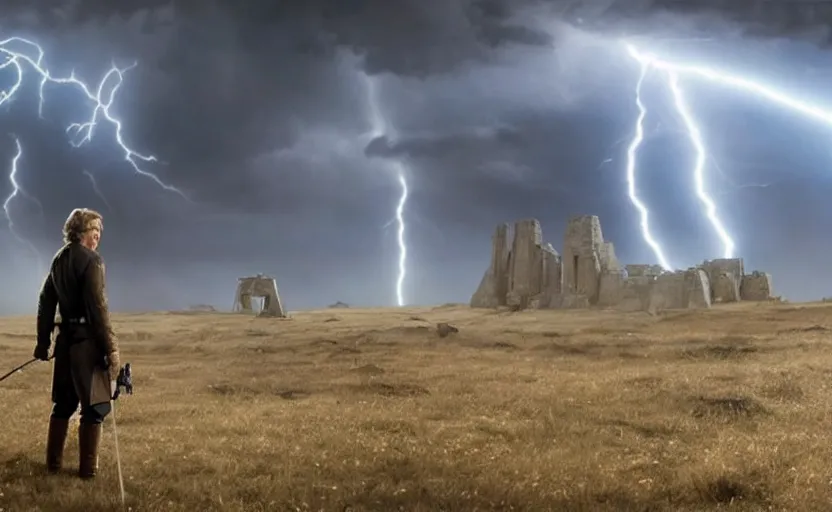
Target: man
x=86 y=353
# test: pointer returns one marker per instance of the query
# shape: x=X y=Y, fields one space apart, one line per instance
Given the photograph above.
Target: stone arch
x=259 y=286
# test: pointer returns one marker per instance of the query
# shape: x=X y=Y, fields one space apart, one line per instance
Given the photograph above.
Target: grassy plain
x=360 y=410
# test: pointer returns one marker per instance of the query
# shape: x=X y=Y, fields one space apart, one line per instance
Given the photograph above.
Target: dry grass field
x=371 y=410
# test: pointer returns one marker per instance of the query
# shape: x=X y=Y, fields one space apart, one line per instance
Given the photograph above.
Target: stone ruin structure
x=259 y=286
x=528 y=274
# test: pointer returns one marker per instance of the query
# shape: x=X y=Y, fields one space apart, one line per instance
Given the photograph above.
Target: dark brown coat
x=75 y=285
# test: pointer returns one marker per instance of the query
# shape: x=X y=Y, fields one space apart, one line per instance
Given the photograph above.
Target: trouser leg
x=65 y=403
x=89 y=438
x=93 y=386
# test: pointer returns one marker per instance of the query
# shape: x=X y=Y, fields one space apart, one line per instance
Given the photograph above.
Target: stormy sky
x=260 y=112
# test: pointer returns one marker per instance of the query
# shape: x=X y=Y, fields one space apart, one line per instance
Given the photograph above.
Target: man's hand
x=113 y=364
x=41 y=353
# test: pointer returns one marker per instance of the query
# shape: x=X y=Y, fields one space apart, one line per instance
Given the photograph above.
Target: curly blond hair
x=79 y=222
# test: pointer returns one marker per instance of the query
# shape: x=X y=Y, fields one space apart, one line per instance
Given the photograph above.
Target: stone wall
x=643 y=270
x=684 y=289
x=635 y=293
x=531 y=274
x=756 y=286
x=610 y=288
x=725 y=275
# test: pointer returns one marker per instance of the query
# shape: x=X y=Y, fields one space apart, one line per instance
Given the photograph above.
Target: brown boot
x=55 y=441
x=89 y=438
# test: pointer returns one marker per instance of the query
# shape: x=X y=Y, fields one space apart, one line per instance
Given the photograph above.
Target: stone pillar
x=725 y=276
x=493 y=288
x=552 y=271
x=499 y=263
x=525 y=269
x=698 y=289
x=582 y=248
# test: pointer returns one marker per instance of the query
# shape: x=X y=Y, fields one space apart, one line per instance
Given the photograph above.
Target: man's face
x=92 y=236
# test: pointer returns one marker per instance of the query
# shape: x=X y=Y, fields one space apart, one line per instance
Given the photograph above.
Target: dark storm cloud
x=259 y=111
x=415 y=37
x=227 y=93
x=808 y=21
x=437 y=146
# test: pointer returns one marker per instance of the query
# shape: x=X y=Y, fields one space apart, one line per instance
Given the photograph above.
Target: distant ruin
x=529 y=274
x=259 y=286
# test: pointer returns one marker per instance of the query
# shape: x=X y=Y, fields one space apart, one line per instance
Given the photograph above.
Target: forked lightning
x=101 y=102
x=674 y=70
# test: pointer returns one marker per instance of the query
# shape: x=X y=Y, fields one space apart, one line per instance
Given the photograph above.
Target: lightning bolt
x=101 y=100
x=97 y=190
x=631 y=174
x=695 y=135
x=18 y=190
x=699 y=166
x=401 y=239
x=379 y=128
x=731 y=80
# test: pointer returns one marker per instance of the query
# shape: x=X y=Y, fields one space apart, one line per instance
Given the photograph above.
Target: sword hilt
x=124 y=380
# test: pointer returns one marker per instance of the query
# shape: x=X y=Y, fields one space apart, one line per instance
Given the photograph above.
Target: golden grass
x=372 y=410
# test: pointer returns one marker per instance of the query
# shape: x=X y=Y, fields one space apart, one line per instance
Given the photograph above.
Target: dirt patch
x=17 y=464
x=341 y=350
x=727 y=347
x=783 y=388
x=272 y=349
x=389 y=426
x=809 y=328
x=629 y=354
x=168 y=348
x=720 y=352
x=293 y=394
x=368 y=370
x=732 y=489
x=243 y=391
x=389 y=337
x=568 y=349
x=726 y=407
x=600 y=330
x=645 y=382
x=644 y=430
x=405 y=330
x=232 y=390
x=400 y=390
x=323 y=341
x=504 y=345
